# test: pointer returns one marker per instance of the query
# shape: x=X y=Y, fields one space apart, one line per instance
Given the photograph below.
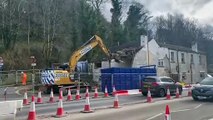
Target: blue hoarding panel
x=125 y=78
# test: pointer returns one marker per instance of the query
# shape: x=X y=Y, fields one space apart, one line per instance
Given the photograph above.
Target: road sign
x=33 y=61
x=1 y=61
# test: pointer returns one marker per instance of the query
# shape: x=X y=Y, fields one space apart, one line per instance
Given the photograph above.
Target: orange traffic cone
x=87 y=91
x=60 y=109
x=77 y=97
x=189 y=91
x=167 y=113
x=177 y=93
x=149 y=96
x=116 y=103
x=96 y=92
x=168 y=96
x=25 y=100
x=39 y=99
x=51 y=100
x=69 y=96
x=113 y=90
x=32 y=112
x=106 y=92
x=87 y=108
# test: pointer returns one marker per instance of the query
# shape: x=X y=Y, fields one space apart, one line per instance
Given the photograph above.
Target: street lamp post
x=33 y=64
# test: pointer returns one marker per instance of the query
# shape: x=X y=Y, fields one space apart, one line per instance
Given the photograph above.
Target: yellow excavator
x=62 y=78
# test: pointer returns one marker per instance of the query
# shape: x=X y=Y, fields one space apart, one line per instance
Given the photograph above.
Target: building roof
x=126 y=51
x=126 y=45
x=178 y=48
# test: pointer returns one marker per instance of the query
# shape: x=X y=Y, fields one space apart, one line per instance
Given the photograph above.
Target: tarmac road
x=49 y=109
x=181 y=109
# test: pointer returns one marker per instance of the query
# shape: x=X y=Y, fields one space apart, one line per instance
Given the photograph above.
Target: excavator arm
x=89 y=45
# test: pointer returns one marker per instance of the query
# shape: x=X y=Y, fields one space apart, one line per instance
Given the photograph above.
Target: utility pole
x=33 y=64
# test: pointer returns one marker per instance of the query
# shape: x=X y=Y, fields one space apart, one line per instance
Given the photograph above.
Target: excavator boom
x=89 y=45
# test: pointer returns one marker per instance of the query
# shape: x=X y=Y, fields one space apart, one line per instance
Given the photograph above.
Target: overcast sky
x=202 y=10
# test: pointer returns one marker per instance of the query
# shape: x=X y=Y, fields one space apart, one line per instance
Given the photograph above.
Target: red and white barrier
x=128 y=92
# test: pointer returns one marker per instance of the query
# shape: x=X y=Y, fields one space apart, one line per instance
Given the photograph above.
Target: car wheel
x=144 y=93
x=195 y=98
x=162 y=93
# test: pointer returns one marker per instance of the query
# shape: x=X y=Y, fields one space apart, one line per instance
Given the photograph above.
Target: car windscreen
x=149 y=80
x=207 y=81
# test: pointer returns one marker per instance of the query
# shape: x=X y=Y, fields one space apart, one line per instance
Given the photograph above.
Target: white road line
x=181 y=110
x=176 y=112
x=154 y=116
x=210 y=119
x=198 y=106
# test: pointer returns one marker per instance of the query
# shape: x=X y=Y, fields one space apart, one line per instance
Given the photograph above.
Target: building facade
x=182 y=64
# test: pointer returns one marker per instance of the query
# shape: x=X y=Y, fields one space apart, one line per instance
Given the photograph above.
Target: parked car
x=203 y=90
x=158 y=85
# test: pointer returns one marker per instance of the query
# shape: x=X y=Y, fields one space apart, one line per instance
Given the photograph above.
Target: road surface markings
x=176 y=112
x=198 y=106
x=154 y=116
x=181 y=110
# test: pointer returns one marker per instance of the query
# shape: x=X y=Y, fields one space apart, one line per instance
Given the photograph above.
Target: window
x=166 y=80
x=192 y=59
x=199 y=59
x=172 y=57
x=98 y=65
x=160 y=62
x=149 y=80
x=182 y=58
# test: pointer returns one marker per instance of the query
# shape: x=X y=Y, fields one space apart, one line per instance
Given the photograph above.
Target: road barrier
x=128 y=92
x=8 y=110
